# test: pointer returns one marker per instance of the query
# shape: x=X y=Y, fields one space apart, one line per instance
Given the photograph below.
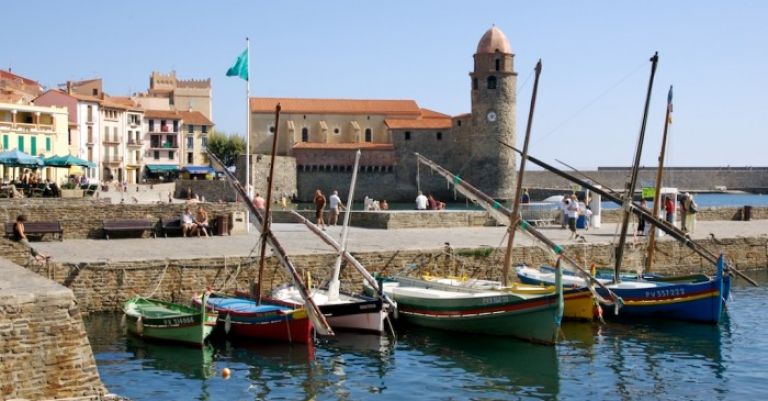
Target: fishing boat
x=344 y=311
x=241 y=316
x=160 y=320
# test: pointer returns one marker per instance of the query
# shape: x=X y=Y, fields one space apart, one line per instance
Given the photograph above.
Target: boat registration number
x=495 y=300
x=672 y=292
x=178 y=321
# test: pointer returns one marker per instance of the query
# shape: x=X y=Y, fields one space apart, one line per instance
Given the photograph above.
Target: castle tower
x=494 y=83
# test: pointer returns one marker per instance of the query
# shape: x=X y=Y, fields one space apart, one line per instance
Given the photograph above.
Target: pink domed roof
x=494 y=40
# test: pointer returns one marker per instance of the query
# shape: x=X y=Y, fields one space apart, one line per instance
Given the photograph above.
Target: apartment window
x=151 y=125
x=114 y=131
x=190 y=158
x=171 y=154
x=190 y=128
x=492 y=82
x=106 y=133
x=90 y=134
x=190 y=142
x=5 y=142
x=90 y=114
x=203 y=142
x=90 y=154
x=204 y=129
x=305 y=134
x=69 y=136
x=368 y=135
x=157 y=155
x=21 y=143
x=47 y=144
x=33 y=146
x=407 y=135
x=439 y=136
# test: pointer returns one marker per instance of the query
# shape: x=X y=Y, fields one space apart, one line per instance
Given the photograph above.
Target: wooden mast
x=518 y=190
x=630 y=190
x=266 y=219
x=657 y=194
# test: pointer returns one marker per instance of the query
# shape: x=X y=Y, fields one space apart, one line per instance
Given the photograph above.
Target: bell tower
x=494 y=84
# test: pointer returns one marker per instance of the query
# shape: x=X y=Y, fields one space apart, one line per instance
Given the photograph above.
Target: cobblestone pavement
x=298 y=240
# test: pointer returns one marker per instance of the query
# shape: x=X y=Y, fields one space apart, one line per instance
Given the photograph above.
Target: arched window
x=498 y=64
x=474 y=84
x=492 y=82
x=368 y=135
x=305 y=134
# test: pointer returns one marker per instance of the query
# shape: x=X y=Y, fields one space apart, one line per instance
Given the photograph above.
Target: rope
x=162 y=276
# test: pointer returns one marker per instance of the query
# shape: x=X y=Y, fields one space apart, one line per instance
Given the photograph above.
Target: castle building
x=320 y=137
x=166 y=92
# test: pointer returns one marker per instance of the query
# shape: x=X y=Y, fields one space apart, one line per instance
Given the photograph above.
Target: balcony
x=165 y=145
x=26 y=127
x=115 y=160
x=111 y=141
x=165 y=128
x=133 y=142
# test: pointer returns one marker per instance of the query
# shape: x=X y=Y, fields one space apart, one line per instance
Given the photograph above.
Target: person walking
x=319 y=201
x=335 y=205
x=572 y=211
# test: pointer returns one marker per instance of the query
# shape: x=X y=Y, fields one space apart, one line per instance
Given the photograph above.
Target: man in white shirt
x=334 y=202
x=421 y=202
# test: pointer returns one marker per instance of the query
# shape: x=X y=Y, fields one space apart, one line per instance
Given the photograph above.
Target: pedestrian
x=421 y=201
x=691 y=209
x=319 y=206
x=525 y=198
x=669 y=208
x=641 y=218
x=259 y=203
x=587 y=217
x=335 y=205
x=572 y=211
x=683 y=212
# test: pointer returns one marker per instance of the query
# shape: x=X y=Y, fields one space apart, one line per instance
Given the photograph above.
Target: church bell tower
x=494 y=83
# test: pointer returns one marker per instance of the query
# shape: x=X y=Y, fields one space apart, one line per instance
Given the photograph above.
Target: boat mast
x=516 y=217
x=333 y=286
x=657 y=194
x=266 y=219
x=630 y=190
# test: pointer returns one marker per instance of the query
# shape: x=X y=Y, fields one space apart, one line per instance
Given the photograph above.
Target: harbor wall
x=104 y=286
x=44 y=349
x=82 y=218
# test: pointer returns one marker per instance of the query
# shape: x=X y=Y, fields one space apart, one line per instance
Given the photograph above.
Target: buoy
x=225 y=373
x=227 y=324
x=139 y=326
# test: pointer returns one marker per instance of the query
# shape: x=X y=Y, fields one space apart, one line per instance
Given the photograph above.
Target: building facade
x=167 y=92
x=322 y=136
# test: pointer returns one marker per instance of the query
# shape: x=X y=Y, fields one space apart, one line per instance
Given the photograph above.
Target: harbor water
x=642 y=361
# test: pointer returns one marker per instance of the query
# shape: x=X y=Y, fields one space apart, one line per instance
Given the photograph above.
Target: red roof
x=195 y=118
x=344 y=146
x=427 y=123
x=165 y=114
x=335 y=106
x=427 y=113
x=12 y=76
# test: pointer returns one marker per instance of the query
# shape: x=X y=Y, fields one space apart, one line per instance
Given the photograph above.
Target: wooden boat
x=532 y=317
x=244 y=317
x=700 y=300
x=160 y=320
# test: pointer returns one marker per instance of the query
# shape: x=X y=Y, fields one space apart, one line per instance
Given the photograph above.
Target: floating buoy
x=225 y=373
x=227 y=324
x=139 y=326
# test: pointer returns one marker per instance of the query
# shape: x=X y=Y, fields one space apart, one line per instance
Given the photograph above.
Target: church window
x=458 y=123
x=498 y=64
x=305 y=134
x=368 y=135
x=492 y=82
x=439 y=136
x=407 y=135
x=474 y=83
x=336 y=130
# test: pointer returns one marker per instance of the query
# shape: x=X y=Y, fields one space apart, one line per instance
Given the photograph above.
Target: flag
x=669 y=106
x=240 y=68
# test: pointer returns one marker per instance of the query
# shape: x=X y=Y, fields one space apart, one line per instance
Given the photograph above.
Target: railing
x=111 y=141
x=27 y=127
x=113 y=160
x=132 y=142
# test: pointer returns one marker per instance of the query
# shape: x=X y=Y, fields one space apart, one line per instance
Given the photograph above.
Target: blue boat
x=700 y=300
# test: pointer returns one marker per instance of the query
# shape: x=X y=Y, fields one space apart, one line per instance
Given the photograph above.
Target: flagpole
x=248 y=186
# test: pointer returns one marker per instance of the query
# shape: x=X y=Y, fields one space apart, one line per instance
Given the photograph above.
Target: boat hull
x=243 y=317
x=191 y=327
x=535 y=319
x=347 y=313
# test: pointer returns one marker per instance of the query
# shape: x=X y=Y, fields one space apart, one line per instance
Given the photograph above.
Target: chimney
x=69 y=87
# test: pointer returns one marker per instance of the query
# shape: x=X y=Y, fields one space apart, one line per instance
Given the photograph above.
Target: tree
x=226 y=147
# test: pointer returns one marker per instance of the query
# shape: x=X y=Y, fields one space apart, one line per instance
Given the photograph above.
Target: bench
x=170 y=225
x=37 y=229
x=127 y=226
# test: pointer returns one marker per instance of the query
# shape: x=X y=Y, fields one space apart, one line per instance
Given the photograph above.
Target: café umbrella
x=68 y=161
x=17 y=158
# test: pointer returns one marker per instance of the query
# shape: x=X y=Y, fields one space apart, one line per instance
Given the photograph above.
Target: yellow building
x=35 y=130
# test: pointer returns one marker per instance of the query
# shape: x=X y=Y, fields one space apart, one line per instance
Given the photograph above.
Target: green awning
x=162 y=168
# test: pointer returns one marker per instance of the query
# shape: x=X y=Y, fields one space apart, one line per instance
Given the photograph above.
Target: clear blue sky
x=591 y=92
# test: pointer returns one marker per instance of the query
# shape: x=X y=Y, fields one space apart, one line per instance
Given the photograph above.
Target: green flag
x=240 y=68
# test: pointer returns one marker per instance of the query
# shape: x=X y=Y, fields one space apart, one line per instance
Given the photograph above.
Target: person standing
x=690 y=217
x=259 y=203
x=335 y=205
x=641 y=218
x=525 y=198
x=684 y=212
x=572 y=211
x=319 y=201
x=669 y=208
x=421 y=202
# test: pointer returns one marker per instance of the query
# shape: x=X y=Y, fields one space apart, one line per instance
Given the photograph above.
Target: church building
x=318 y=138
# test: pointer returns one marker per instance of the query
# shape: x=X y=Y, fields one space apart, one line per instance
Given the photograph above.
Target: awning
x=198 y=169
x=162 y=168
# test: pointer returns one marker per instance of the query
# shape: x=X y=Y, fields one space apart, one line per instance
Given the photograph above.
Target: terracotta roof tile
x=86 y=98
x=11 y=76
x=344 y=146
x=166 y=114
x=195 y=118
x=335 y=106
x=427 y=123
x=427 y=113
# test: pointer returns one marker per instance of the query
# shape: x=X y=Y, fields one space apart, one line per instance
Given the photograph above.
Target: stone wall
x=82 y=218
x=399 y=219
x=105 y=286
x=704 y=214
x=44 y=350
x=210 y=190
x=285 y=174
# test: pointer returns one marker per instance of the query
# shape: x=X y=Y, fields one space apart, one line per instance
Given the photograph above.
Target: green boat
x=166 y=321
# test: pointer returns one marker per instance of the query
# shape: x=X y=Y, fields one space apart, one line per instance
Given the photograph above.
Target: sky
x=591 y=93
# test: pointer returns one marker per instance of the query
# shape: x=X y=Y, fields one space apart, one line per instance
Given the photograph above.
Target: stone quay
x=42 y=336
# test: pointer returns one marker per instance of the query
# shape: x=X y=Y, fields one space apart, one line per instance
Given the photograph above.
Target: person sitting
x=384 y=205
x=21 y=237
x=434 y=204
x=188 y=225
x=421 y=202
x=201 y=221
